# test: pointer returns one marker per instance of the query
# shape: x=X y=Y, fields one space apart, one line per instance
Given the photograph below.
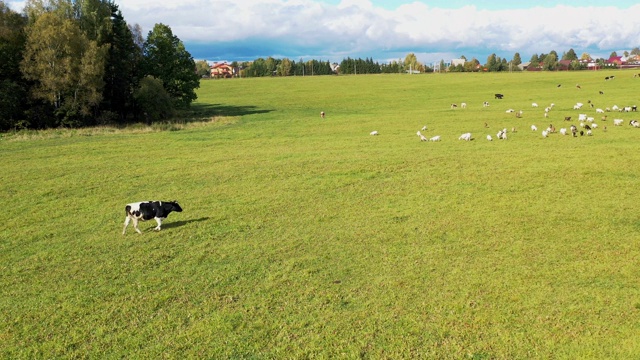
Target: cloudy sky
x=227 y=30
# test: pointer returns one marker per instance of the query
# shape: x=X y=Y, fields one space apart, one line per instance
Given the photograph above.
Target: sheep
x=502 y=134
x=617 y=122
x=590 y=119
x=589 y=133
x=552 y=129
x=519 y=114
x=604 y=118
x=627 y=108
x=634 y=123
x=577 y=107
x=322 y=114
x=373 y=133
x=594 y=126
x=510 y=111
x=546 y=115
x=582 y=117
x=599 y=111
x=563 y=131
x=422 y=138
x=567 y=118
x=534 y=105
x=489 y=138
x=534 y=128
x=574 y=130
x=424 y=128
x=463 y=105
x=601 y=92
x=547 y=109
x=545 y=133
x=453 y=106
x=587 y=127
x=465 y=137
x=578 y=86
x=435 y=138
x=634 y=108
x=615 y=108
x=552 y=105
x=485 y=104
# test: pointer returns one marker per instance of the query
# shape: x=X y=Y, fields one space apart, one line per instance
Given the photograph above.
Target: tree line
x=548 y=62
x=78 y=63
x=285 y=67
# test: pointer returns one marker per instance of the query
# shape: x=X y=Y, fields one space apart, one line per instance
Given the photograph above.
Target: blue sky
x=228 y=30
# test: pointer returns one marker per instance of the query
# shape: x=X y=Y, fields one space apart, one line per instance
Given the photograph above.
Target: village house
x=223 y=70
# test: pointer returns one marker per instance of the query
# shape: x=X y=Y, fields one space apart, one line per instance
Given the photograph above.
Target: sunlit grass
x=305 y=237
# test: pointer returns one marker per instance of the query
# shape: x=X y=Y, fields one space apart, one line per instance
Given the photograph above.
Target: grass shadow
x=176 y=224
x=203 y=111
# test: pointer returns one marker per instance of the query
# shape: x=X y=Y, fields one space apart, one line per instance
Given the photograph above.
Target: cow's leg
x=126 y=223
x=135 y=225
x=159 y=221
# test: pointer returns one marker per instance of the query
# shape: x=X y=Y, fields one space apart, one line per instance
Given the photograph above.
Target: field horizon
x=306 y=237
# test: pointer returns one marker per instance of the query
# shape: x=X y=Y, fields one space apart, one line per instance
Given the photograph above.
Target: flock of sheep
x=586 y=123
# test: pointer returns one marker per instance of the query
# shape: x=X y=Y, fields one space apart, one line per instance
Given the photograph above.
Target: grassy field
x=304 y=237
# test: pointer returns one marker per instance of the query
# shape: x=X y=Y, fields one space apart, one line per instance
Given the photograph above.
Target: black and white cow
x=147 y=210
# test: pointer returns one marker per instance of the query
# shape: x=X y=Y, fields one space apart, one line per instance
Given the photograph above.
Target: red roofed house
x=615 y=60
x=222 y=70
x=564 y=65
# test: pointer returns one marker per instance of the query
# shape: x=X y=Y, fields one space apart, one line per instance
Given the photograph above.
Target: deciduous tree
x=202 y=68
x=67 y=68
x=166 y=58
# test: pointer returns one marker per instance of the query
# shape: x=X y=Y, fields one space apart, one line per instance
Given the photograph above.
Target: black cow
x=499 y=96
x=147 y=210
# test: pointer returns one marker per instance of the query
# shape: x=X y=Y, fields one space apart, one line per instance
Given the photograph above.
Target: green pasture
x=304 y=237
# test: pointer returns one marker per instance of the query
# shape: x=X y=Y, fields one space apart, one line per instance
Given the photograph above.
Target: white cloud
x=359 y=28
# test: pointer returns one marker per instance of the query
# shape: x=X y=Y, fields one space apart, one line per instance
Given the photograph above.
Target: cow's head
x=173 y=206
